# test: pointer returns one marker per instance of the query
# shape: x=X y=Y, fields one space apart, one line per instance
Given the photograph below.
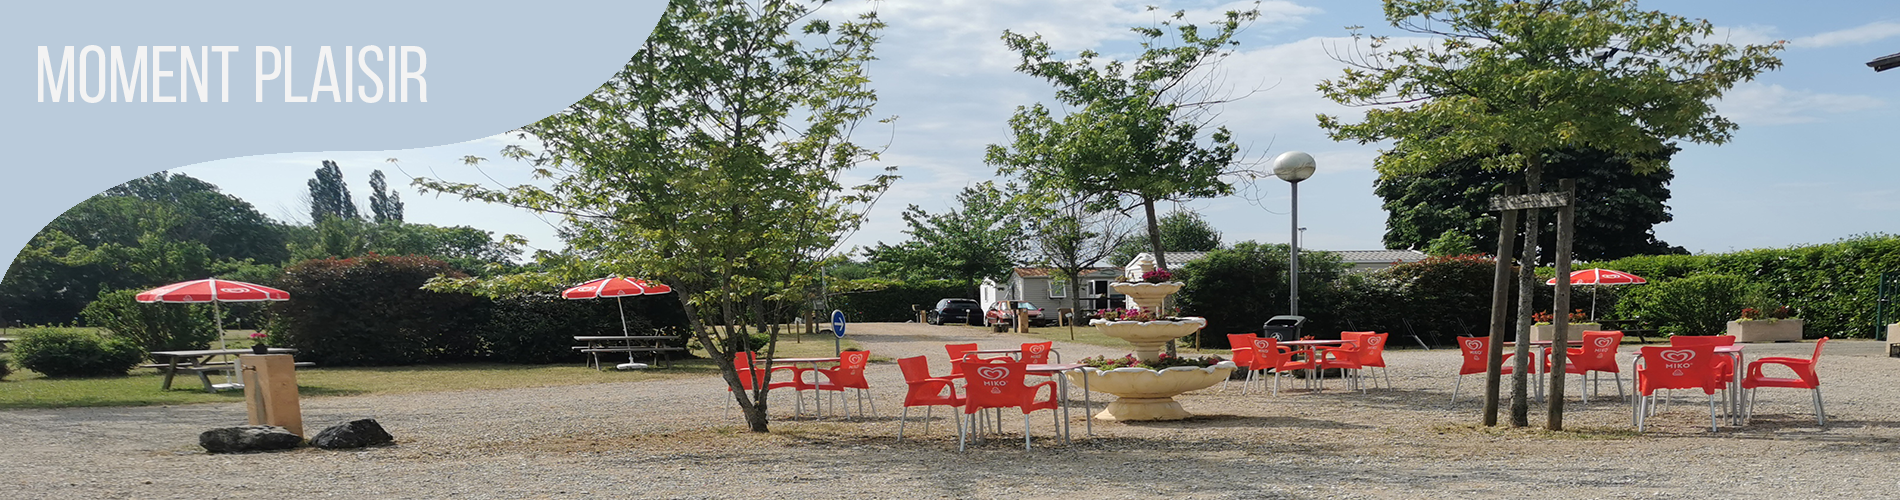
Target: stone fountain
x=1142 y=393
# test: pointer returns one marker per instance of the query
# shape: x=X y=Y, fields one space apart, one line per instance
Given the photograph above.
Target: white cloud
x=1870 y=32
x=1753 y=34
x=1762 y=104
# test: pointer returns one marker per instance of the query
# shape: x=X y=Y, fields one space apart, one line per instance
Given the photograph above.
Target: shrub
x=887 y=300
x=1696 y=305
x=71 y=352
x=153 y=327
x=372 y=310
x=540 y=328
x=4 y=369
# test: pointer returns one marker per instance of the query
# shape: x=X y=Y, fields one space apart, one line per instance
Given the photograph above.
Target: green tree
x=1181 y=231
x=329 y=196
x=1138 y=130
x=1073 y=234
x=230 y=227
x=981 y=238
x=1514 y=82
x=1240 y=288
x=1617 y=209
x=711 y=163
x=384 y=204
x=1451 y=243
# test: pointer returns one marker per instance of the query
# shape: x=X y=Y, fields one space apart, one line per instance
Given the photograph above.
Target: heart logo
x=1372 y=341
x=1603 y=342
x=1678 y=356
x=1035 y=349
x=992 y=372
x=1262 y=345
x=1474 y=344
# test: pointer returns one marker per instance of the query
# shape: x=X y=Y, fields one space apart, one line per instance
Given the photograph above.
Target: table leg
x=1062 y=386
x=171 y=370
x=1088 y=406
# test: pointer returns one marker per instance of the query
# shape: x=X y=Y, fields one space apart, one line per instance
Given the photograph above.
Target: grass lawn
x=28 y=389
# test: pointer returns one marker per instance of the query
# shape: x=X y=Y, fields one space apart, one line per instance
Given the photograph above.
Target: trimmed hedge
x=1832 y=286
x=372 y=310
x=890 y=301
x=71 y=352
x=153 y=327
x=540 y=328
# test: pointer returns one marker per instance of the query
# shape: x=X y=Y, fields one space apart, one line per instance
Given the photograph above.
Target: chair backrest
x=1266 y=352
x=1475 y=351
x=1677 y=367
x=1707 y=340
x=854 y=360
x=1037 y=352
x=916 y=368
x=1237 y=340
x=993 y=383
x=1817 y=352
x=956 y=354
x=1372 y=348
x=1599 y=350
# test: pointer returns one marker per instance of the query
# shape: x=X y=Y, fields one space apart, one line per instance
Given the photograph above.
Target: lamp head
x=1293 y=166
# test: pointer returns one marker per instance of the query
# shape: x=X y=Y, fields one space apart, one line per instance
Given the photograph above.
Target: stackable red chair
x=849 y=374
x=745 y=362
x=1597 y=355
x=1475 y=349
x=1037 y=353
x=1675 y=367
x=1724 y=367
x=1372 y=355
x=1805 y=378
x=957 y=351
x=998 y=383
x=1345 y=357
x=926 y=391
x=1242 y=344
x=1278 y=358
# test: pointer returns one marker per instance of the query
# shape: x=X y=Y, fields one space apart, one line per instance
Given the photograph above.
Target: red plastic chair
x=1345 y=357
x=998 y=383
x=926 y=391
x=1475 y=350
x=1037 y=353
x=1372 y=354
x=1596 y=356
x=1242 y=344
x=849 y=374
x=1675 y=367
x=1805 y=378
x=957 y=351
x=1724 y=367
x=745 y=362
x=1278 y=358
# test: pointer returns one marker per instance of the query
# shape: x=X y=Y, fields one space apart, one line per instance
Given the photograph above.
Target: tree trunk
x=1161 y=257
x=722 y=355
x=1075 y=303
x=1526 y=283
x=1500 y=311
x=1560 y=306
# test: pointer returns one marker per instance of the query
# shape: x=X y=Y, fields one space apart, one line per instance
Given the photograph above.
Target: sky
x=1809 y=164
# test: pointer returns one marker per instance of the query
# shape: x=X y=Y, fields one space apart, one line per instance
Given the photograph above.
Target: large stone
x=354 y=434
x=248 y=438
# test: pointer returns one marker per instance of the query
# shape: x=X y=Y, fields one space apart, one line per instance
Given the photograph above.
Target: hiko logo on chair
x=995 y=374
x=1474 y=345
x=1603 y=341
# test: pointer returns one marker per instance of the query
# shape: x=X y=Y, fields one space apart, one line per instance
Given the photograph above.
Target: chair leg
x=1025 y=431
x=1713 y=423
x=960 y=433
x=900 y=423
x=1454 y=389
x=1819 y=412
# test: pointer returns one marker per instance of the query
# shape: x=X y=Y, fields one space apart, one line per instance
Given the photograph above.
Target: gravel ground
x=683 y=439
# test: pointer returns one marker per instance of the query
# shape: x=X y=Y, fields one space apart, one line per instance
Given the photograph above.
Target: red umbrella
x=213 y=290
x=616 y=287
x=1598 y=277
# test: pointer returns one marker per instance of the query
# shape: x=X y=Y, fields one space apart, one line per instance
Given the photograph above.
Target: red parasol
x=212 y=290
x=1598 y=277
x=616 y=287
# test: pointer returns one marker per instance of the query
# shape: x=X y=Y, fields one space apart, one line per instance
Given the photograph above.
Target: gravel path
x=680 y=439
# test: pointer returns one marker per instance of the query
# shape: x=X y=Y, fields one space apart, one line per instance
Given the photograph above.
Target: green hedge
x=71 y=352
x=540 y=328
x=373 y=311
x=1832 y=286
x=890 y=300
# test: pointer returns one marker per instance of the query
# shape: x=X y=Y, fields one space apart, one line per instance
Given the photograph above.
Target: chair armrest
x=1803 y=368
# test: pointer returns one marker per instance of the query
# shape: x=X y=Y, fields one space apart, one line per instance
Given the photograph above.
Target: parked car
x=1003 y=312
x=953 y=311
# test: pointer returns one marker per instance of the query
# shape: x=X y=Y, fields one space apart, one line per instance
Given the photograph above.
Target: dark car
x=954 y=311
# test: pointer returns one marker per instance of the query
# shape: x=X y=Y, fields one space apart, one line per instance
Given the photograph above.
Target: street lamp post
x=1293 y=167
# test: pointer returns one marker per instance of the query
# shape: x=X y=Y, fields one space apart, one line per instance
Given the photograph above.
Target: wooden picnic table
x=652 y=344
x=204 y=361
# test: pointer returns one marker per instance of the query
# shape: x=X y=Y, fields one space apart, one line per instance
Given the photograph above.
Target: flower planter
x=1149 y=336
x=1146 y=295
x=260 y=349
x=1144 y=394
x=1548 y=332
x=1761 y=330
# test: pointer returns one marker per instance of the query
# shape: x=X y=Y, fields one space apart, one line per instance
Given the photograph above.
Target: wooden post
x=1560 y=305
x=270 y=391
x=1500 y=310
x=1022 y=321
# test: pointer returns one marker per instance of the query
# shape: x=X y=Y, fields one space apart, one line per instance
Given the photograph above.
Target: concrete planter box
x=1784 y=330
x=1893 y=340
x=1548 y=332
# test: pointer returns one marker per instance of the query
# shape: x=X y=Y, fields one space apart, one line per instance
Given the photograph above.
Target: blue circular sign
x=837 y=323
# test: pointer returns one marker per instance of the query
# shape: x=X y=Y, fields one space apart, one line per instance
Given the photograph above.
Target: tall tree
x=231 y=227
x=1517 y=81
x=1143 y=130
x=385 y=204
x=712 y=163
x=980 y=238
x=329 y=196
x=1617 y=209
x=1181 y=231
x=1073 y=234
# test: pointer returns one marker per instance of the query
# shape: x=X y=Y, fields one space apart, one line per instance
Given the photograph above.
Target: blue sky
x=1810 y=163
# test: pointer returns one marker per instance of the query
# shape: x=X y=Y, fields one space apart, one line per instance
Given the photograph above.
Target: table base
x=1143 y=409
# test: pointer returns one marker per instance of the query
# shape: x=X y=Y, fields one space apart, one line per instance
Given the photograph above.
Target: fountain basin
x=1149 y=336
x=1144 y=394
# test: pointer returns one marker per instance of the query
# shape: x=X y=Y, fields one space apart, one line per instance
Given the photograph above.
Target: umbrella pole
x=218 y=317
x=623 y=325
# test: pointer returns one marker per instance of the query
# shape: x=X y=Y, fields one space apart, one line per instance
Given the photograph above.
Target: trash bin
x=1283 y=327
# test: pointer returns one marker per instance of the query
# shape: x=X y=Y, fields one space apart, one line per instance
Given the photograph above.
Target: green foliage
x=385 y=204
x=1239 y=288
x=1181 y=231
x=880 y=300
x=1073 y=233
x=539 y=328
x=1525 y=79
x=5 y=369
x=470 y=250
x=373 y=311
x=1616 y=213
x=1697 y=305
x=329 y=195
x=1451 y=243
x=1833 y=286
x=982 y=238
x=71 y=352
x=1136 y=129
x=152 y=327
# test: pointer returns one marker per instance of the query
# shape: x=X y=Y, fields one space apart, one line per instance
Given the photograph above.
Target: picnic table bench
x=1630 y=327
x=204 y=362
x=650 y=344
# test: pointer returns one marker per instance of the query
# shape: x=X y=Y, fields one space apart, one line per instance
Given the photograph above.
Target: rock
x=248 y=438
x=355 y=434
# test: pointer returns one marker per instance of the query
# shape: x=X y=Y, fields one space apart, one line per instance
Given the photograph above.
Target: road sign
x=837 y=323
x=1533 y=200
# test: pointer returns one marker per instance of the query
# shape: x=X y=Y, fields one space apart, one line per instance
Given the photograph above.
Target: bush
x=1697 y=305
x=540 y=328
x=373 y=311
x=1833 y=286
x=71 y=352
x=153 y=327
x=884 y=300
x=1240 y=288
x=4 y=369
